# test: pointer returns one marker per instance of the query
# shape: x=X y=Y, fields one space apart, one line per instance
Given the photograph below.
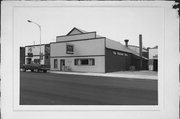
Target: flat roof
x=36 y=45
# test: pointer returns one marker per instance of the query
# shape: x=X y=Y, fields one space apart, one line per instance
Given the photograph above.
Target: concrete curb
x=109 y=75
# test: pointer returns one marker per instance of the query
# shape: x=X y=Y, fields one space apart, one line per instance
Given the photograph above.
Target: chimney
x=126 y=42
x=140 y=45
x=140 y=50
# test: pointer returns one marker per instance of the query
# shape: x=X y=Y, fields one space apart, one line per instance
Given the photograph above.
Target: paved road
x=63 y=89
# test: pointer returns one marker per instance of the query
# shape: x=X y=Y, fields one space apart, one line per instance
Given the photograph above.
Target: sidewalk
x=122 y=74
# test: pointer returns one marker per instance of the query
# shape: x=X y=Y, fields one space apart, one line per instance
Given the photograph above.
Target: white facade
x=83 y=49
x=70 y=64
x=35 y=50
x=88 y=52
x=153 y=53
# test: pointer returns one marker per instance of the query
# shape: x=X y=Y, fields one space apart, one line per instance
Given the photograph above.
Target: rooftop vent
x=126 y=42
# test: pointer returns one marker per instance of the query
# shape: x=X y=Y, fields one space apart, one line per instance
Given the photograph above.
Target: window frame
x=78 y=62
x=55 y=63
x=69 y=48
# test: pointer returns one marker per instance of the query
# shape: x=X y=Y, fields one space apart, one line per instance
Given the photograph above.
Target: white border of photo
x=168 y=79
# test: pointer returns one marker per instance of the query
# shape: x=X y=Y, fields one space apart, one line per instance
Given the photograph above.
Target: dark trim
x=36 y=45
x=76 y=34
x=77 y=56
x=79 y=40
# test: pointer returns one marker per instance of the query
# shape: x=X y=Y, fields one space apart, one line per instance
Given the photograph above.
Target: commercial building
x=82 y=51
x=22 y=56
x=32 y=54
x=153 y=58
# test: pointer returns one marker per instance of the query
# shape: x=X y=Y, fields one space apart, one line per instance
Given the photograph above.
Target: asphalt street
x=65 y=89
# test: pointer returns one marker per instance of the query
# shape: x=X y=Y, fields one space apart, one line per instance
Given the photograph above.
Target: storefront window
x=37 y=61
x=29 y=60
x=84 y=61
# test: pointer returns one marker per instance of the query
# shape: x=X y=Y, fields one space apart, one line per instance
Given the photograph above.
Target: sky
x=116 y=23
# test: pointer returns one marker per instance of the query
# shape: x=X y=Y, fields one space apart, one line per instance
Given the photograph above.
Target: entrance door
x=29 y=60
x=155 y=65
x=62 y=64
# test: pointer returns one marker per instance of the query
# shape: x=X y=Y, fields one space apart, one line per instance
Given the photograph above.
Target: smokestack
x=126 y=42
x=140 y=50
x=140 y=45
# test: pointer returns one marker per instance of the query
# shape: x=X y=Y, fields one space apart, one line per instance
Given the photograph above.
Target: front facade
x=32 y=54
x=82 y=51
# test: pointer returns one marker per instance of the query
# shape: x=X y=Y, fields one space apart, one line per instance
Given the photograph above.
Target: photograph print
x=88 y=55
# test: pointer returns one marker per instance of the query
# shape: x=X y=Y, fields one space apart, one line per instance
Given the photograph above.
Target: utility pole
x=140 y=50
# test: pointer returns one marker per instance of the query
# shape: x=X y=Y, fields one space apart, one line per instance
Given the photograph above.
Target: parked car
x=35 y=67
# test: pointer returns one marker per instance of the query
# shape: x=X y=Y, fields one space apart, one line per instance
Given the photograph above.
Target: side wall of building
x=117 y=60
x=136 y=61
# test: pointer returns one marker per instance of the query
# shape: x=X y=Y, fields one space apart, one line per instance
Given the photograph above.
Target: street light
x=40 y=36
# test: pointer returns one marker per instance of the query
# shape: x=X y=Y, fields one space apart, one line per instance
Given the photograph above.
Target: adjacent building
x=82 y=51
x=153 y=58
x=145 y=52
x=22 y=56
x=33 y=55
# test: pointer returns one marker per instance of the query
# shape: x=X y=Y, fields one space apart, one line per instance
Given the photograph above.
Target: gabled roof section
x=76 y=31
x=118 y=46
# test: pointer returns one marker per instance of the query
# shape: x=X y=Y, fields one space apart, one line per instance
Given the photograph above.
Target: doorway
x=62 y=64
x=28 y=60
x=155 y=65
